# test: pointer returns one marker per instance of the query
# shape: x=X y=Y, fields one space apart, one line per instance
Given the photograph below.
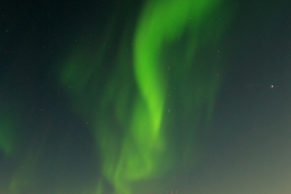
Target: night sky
x=145 y=97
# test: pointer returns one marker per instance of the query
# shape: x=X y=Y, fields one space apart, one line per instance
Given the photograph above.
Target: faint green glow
x=7 y=134
x=5 y=140
x=99 y=188
x=24 y=178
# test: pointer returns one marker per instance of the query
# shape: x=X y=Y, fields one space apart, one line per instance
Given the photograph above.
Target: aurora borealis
x=137 y=104
x=144 y=97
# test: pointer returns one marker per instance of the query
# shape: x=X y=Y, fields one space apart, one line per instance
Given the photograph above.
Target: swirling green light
x=127 y=111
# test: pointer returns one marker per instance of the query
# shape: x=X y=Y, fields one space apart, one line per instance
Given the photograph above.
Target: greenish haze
x=7 y=134
x=24 y=177
x=6 y=144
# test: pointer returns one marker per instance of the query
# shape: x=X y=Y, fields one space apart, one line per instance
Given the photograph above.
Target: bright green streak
x=161 y=23
x=143 y=151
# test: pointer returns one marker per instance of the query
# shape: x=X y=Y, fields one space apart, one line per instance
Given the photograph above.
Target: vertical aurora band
x=7 y=134
x=129 y=118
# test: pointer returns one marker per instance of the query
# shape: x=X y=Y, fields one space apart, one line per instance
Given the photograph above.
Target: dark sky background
x=245 y=151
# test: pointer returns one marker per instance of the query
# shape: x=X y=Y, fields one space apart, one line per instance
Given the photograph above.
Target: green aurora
x=131 y=110
x=165 y=76
x=145 y=97
x=7 y=134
